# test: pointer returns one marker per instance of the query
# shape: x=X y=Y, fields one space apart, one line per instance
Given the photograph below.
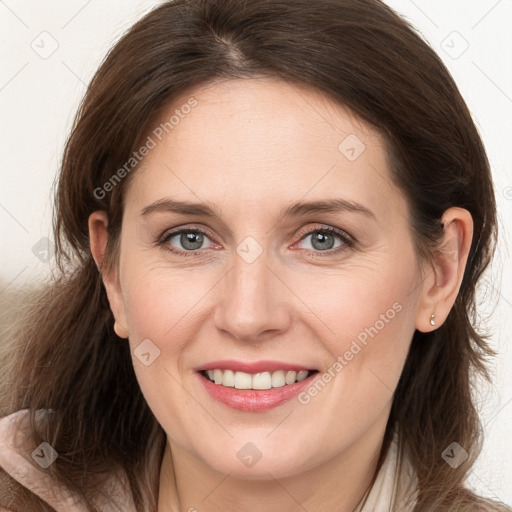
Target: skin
x=251 y=147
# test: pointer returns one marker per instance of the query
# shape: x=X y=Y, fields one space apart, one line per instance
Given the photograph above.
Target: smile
x=263 y=380
x=254 y=387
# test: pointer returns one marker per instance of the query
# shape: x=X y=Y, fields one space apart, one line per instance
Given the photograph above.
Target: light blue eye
x=322 y=240
x=188 y=240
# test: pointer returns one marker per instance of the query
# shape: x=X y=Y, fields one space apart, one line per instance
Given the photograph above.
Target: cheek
x=368 y=320
x=160 y=306
x=159 y=300
x=370 y=306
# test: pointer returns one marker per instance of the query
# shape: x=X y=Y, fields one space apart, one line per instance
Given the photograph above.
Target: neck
x=189 y=485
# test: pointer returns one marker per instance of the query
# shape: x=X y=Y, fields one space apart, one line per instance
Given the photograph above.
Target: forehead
x=252 y=141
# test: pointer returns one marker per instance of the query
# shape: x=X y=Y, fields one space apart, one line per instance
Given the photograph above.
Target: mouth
x=257 y=381
x=254 y=391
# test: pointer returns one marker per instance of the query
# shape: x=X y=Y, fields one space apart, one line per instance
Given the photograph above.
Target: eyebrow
x=298 y=209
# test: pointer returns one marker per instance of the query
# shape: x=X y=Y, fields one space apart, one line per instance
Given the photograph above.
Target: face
x=260 y=278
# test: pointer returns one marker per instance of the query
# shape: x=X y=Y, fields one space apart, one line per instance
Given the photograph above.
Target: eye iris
x=324 y=241
x=191 y=240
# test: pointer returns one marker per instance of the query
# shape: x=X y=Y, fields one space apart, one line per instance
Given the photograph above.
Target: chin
x=251 y=463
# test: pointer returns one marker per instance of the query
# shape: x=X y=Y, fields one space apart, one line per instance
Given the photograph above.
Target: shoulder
x=14 y=462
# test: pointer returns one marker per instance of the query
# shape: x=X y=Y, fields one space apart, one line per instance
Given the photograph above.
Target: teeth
x=243 y=380
x=290 y=377
x=217 y=376
x=278 y=380
x=263 y=380
x=228 y=379
x=302 y=375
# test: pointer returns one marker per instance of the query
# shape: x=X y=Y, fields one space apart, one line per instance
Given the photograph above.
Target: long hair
x=360 y=54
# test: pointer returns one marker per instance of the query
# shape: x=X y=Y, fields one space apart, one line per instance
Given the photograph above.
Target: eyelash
x=348 y=241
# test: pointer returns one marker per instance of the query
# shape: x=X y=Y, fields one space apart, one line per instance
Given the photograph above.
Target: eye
x=186 y=241
x=191 y=241
x=326 y=239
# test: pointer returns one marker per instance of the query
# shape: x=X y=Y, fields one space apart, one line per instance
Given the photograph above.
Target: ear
x=443 y=276
x=98 y=238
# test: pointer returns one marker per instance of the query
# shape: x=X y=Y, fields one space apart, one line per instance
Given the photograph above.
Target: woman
x=271 y=218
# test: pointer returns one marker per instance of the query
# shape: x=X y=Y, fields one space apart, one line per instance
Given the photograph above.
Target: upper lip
x=251 y=366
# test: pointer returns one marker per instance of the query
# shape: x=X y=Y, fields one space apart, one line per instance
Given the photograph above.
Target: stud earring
x=120 y=331
x=432 y=321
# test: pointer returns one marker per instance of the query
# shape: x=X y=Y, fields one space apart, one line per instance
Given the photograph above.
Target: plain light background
x=50 y=50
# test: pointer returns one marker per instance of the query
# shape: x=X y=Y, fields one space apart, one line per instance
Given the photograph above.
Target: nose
x=253 y=302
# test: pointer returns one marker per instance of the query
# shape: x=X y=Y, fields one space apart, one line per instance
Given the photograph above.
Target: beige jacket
x=24 y=464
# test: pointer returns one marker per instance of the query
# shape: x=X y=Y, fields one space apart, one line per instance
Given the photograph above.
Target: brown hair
x=362 y=55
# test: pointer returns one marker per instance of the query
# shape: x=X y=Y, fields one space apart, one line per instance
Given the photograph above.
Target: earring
x=120 y=330
x=432 y=321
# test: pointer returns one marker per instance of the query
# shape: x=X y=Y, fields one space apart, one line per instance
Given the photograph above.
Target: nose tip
x=251 y=301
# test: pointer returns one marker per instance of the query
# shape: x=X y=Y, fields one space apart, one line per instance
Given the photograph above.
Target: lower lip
x=251 y=400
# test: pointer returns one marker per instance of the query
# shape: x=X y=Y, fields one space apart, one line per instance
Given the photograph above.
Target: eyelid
x=169 y=233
